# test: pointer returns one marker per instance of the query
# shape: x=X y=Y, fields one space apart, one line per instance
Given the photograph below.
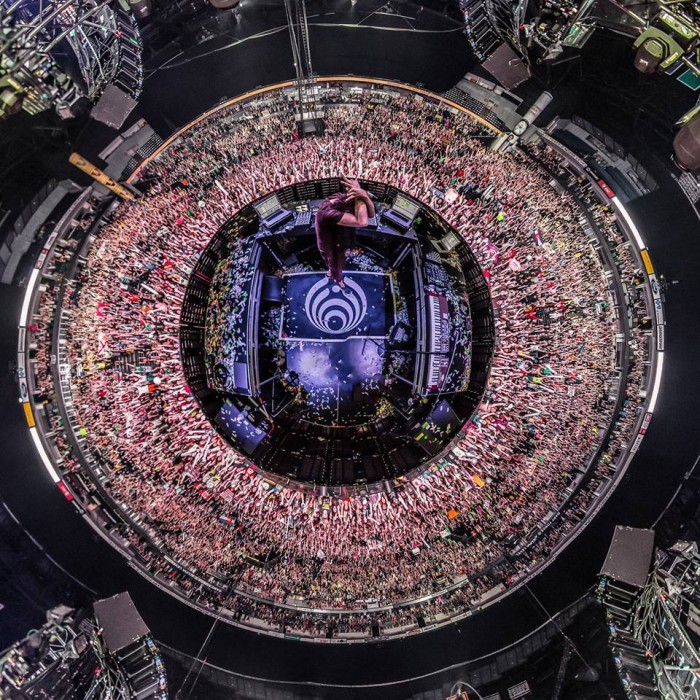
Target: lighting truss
x=55 y=52
x=663 y=622
x=308 y=107
x=540 y=30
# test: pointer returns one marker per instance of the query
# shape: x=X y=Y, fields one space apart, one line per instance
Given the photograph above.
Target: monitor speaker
x=240 y=377
x=273 y=289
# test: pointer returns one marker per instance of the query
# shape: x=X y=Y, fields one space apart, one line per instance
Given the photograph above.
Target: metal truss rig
x=62 y=659
x=669 y=605
x=307 y=89
x=489 y=23
x=540 y=30
x=55 y=52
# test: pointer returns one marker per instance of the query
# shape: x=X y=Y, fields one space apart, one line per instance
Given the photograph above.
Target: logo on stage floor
x=335 y=310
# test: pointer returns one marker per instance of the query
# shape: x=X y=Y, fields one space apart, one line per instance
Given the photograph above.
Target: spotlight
x=656 y=50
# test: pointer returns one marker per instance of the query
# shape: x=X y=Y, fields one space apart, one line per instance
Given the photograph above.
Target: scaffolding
x=52 y=54
x=309 y=110
x=667 y=622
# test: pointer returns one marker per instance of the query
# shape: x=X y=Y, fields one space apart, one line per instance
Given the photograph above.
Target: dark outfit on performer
x=331 y=239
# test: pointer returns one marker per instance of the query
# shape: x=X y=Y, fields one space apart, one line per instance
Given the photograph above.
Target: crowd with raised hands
x=225 y=338
x=546 y=410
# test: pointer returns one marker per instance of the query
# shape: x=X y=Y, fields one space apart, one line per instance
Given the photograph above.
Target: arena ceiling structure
x=368 y=490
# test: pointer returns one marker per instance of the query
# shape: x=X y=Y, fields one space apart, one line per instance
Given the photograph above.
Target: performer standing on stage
x=350 y=209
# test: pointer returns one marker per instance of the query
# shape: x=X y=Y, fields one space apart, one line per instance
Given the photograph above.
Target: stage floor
x=317 y=309
x=338 y=379
x=335 y=343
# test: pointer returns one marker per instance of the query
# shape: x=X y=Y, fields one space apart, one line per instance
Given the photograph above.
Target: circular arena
x=368 y=477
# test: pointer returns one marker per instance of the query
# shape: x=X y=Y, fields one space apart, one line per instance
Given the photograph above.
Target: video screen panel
x=268 y=207
x=405 y=206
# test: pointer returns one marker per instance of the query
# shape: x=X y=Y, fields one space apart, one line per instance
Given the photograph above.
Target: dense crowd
x=461 y=523
x=225 y=338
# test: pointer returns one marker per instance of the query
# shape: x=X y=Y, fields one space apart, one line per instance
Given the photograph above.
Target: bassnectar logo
x=335 y=310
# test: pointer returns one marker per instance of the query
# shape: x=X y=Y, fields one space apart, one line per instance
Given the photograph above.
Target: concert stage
x=345 y=387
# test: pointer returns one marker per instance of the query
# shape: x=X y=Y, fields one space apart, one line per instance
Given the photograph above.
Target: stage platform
x=319 y=310
x=335 y=343
x=344 y=387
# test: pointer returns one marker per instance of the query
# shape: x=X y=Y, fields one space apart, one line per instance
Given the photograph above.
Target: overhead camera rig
x=55 y=53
